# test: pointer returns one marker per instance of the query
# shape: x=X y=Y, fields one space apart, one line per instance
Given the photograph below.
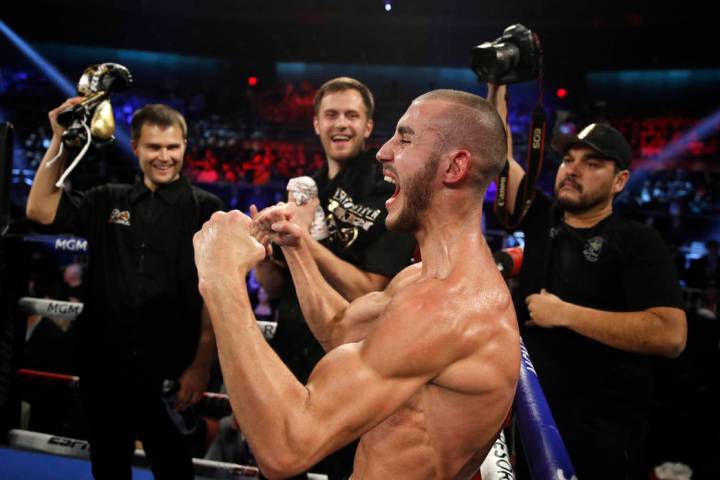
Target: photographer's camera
x=513 y=57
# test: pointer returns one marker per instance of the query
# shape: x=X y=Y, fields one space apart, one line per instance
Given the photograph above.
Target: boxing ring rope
x=72 y=447
x=58 y=243
x=61 y=310
x=545 y=451
x=216 y=401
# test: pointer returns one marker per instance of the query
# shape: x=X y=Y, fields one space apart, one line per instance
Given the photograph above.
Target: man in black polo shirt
x=598 y=296
x=142 y=321
x=358 y=255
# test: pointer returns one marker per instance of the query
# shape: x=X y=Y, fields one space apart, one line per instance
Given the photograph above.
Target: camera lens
x=492 y=60
x=514 y=57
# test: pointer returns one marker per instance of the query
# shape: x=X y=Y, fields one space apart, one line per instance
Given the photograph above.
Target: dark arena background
x=244 y=73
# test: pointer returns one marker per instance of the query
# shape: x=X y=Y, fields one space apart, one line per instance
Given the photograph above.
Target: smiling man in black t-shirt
x=358 y=255
x=598 y=296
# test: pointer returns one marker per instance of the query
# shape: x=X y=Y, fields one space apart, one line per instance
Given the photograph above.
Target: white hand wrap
x=302 y=190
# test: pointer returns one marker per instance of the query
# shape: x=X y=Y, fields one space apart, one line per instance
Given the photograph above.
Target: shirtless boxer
x=423 y=373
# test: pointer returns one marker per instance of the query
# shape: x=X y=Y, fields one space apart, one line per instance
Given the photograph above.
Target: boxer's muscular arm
x=331 y=318
x=345 y=278
x=44 y=197
x=497 y=95
x=269 y=274
x=290 y=426
x=350 y=281
x=322 y=305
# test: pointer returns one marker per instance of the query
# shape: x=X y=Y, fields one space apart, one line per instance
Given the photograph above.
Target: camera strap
x=528 y=185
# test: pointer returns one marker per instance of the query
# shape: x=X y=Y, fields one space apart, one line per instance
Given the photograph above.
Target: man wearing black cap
x=598 y=296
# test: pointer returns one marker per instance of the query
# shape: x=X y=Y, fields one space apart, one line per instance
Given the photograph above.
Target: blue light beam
x=46 y=67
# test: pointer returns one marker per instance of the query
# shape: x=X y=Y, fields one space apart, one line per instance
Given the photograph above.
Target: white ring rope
x=60 y=310
x=71 y=447
x=47 y=307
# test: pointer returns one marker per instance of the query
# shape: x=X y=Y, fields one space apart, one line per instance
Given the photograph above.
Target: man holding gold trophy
x=143 y=322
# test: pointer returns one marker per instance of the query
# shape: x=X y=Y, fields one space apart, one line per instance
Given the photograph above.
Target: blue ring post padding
x=61 y=243
x=545 y=451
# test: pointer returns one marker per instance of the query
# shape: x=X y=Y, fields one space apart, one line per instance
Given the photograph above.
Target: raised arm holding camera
x=598 y=296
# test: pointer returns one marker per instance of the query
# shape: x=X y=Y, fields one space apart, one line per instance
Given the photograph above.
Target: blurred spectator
x=72 y=276
x=263 y=309
x=230 y=445
x=705 y=271
x=699 y=204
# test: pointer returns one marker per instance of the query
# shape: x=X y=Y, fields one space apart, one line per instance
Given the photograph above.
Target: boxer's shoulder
x=405 y=277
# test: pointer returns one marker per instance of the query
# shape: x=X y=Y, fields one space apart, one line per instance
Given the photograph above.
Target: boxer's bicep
x=358 y=385
x=347 y=396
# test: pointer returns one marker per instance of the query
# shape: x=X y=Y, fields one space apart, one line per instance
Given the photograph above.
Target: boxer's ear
x=455 y=166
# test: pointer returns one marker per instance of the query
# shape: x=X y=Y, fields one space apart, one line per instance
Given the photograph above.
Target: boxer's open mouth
x=393 y=180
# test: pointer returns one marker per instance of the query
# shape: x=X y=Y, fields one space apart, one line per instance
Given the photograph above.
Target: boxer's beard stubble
x=416 y=196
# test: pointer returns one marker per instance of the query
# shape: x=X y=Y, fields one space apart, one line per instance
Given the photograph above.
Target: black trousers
x=119 y=410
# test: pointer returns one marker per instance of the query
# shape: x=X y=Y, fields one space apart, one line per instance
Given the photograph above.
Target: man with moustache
x=423 y=372
x=143 y=320
x=598 y=296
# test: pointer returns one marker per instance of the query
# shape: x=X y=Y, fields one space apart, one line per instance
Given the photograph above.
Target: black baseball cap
x=600 y=137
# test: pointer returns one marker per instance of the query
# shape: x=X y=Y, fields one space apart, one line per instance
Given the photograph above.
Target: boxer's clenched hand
x=260 y=235
x=305 y=213
x=224 y=247
x=279 y=225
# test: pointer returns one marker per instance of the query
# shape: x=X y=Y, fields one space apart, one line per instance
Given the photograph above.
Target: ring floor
x=28 y=465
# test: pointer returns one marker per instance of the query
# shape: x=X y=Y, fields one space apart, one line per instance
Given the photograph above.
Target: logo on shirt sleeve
x=120 y=217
